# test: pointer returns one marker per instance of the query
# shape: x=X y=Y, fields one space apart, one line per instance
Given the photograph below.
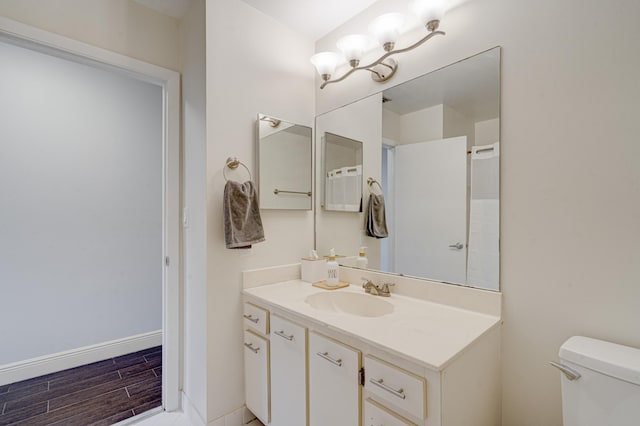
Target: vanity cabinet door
x=334 y=388
x=256 y=375
x=288 y=373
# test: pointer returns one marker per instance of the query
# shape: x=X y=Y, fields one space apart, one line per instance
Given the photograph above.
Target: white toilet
x=600 y=384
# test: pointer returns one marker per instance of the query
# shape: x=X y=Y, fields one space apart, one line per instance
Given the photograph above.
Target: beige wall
x=254 y=65
x=487 y=131
x=122 y=26
x=570 y=180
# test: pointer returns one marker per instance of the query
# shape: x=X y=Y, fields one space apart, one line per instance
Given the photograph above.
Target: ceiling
x=316 y=19
x=311 y=18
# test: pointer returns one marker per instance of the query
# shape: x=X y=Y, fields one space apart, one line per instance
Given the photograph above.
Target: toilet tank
x=607 y=393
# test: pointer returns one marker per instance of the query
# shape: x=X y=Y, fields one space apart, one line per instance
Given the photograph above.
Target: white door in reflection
x=430 y=209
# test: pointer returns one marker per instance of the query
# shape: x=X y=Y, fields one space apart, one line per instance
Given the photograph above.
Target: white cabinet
x=299 y=372
x=334 y=385
x=288 y=373
x=376 y=415
x=256 y=372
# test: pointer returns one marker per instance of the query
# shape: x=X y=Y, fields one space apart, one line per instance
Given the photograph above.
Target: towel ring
x=233 y=163
x=371 y=181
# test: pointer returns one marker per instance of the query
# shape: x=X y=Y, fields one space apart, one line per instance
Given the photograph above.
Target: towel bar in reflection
x=282 y=191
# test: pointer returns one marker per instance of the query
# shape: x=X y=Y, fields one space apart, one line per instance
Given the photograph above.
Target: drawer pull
x=250 y=346
x=380 y=383
x=282 y=334
x=326 y=356
x=251 y=318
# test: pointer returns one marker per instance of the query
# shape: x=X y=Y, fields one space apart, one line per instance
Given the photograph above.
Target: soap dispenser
x=332 y=270
x=362 y=262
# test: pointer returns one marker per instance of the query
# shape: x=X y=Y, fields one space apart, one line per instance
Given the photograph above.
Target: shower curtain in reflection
x=343 y=189
x=483 y=264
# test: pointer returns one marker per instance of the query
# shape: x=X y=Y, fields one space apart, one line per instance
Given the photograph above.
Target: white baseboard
x=34 y=367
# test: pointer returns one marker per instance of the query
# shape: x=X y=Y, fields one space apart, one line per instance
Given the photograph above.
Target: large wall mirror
x=431 y=151
x=284 y=164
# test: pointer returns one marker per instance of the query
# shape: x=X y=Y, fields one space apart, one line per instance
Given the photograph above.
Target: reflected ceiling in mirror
x=438 y=164
x=284 y=164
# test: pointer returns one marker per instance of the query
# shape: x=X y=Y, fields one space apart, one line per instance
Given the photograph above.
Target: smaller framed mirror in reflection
x=342 y=173
x=284 y=164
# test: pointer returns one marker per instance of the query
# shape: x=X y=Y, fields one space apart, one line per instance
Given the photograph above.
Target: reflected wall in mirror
x=342 y=158
x=284 y=164
x=438 y=165
x=360 y=121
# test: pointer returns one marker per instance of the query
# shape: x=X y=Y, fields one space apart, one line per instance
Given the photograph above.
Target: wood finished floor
x=101 y=393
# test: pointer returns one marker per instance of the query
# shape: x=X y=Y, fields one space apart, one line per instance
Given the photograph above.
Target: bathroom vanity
x=343 y=357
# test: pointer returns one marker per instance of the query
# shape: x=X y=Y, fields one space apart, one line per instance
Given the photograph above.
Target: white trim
x=191 y=412
x=148 y=417
x=170 y=82
x=34 y=367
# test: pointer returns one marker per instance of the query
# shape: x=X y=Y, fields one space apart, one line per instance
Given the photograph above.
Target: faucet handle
x=385 y=288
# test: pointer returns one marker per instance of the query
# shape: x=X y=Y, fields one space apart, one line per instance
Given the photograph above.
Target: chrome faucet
x=377 y=290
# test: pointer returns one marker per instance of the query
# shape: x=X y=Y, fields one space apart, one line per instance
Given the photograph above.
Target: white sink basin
x=363 y=305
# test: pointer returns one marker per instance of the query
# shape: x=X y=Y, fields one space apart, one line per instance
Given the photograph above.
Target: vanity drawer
x=395 y=386
x=376 y=415
x=256 y=319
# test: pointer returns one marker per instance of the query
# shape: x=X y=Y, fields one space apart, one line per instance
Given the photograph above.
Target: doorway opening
x=79 y=222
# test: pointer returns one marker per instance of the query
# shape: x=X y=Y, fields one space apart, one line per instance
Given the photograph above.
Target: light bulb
x=325 y=63
x=386 y=28
x=429 y=12
x=353 y=47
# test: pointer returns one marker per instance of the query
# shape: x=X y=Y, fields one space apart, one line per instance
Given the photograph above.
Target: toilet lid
x=621 y=362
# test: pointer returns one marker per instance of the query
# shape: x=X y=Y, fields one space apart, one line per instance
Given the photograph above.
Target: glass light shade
x=428 y=10
x=325 y=62
x=353 y=46
x=386 y=28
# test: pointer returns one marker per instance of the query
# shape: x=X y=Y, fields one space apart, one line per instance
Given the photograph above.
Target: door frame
x=169 y=81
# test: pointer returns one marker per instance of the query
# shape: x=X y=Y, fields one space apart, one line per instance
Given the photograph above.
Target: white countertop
x=424 y=332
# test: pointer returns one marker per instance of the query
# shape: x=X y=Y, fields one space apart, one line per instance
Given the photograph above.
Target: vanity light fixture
x=386 y=29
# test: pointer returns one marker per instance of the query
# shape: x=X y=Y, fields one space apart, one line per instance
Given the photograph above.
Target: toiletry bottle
x=362 y=262
x=332 y=269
